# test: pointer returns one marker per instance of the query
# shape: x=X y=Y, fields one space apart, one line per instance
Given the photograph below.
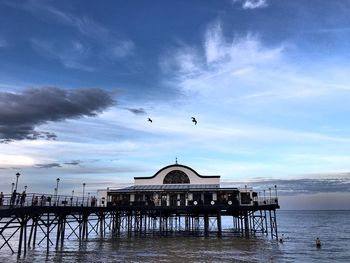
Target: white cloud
x=117 y=47
x=70 y=54
x=9 y=160
x=225 y=66
x=112 y=43
x=186 y=61
x=244 y=71
x=213 y=44
x=238 y=51
x=84 y=25
x=251 y=4
x=121 y=49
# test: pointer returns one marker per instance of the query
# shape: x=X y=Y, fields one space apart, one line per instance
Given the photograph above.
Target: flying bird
x=194 y=120
x=150 y=120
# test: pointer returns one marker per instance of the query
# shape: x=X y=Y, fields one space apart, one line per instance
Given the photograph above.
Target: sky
x=266 y=80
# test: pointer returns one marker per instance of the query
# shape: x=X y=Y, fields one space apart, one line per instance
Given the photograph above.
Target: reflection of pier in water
x=147 y=207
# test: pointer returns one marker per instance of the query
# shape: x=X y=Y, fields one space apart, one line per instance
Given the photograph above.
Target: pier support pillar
x=246 y=224
x=206 y=224
x=22 y=236
x=218 y=220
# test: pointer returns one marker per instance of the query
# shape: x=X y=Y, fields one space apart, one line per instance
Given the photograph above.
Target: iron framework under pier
x=25 y=227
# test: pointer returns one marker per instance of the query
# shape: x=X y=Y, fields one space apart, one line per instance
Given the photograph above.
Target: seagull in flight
x=150 y=120
x=194 y=120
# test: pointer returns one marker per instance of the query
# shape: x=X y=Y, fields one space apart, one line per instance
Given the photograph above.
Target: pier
x=182 y=202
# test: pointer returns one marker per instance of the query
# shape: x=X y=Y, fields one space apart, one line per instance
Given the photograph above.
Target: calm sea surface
x=300 y=228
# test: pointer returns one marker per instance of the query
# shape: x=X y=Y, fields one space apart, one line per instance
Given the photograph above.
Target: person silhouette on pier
x=23 y=198
x=48 y=199
x=35 y=200
x=18 y=199
x=1 y=198
x=13 y=198
x=43 y=200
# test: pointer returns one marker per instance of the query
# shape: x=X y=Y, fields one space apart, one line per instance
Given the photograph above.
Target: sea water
x=300 y=229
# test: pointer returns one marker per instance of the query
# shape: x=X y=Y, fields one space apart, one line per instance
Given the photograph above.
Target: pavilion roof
x=170 y=187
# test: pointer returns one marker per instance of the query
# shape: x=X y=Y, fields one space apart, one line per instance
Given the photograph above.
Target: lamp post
x=87 y=203
x=17 y=175
x=276 y=190
x=25 y=188
x=83 y=193
x=57 y=181
x=71 y=202
x=264 y=197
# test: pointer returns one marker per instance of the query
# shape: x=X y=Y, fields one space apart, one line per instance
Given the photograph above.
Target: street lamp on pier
x=264 y=197
x=71 y=203
x=17 y=175
x=57 y=181
x=83 y=193
x=25 y=188
x=276 y=190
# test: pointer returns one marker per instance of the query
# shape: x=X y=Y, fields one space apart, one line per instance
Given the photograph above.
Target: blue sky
x=267 y=80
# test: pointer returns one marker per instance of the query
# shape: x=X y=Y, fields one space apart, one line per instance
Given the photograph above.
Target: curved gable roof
x=176 y=166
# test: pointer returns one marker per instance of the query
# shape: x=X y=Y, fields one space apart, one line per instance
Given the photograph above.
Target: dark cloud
x=48 y=165
x=72 y=163
x=299 y=186
x=49 y=135
x=312 y=185
x=139 y=111
x=21 y=113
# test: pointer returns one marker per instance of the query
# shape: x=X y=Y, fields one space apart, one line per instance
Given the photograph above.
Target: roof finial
x=176 y=159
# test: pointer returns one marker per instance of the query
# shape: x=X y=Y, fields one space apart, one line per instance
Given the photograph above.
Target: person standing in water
x=318 y=242
x=281 y=239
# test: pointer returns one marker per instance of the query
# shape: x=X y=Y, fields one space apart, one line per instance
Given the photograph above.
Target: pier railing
x=40 y=199
x=234 y=203
x=267 y=201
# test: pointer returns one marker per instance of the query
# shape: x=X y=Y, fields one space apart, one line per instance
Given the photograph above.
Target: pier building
x=179 y=198
x=180 y=186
